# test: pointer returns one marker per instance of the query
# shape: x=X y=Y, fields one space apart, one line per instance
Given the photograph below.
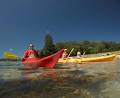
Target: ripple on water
x=97 y=80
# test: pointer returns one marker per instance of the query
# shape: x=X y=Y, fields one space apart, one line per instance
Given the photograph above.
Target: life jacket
x=30 y=54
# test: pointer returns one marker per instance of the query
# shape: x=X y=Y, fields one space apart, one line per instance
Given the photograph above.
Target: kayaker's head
x=65 y=50
x=30 y=46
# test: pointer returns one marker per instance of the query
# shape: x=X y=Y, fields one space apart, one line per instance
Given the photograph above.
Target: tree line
x=87 y=47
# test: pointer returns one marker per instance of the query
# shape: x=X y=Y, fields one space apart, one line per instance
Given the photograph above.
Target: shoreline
x=4 y=59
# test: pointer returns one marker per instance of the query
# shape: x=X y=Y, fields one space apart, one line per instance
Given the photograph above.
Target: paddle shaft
x=70 y=52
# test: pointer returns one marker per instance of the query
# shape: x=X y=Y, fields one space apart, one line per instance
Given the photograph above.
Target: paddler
x=30 y=52
x=78 y=54
x=65 y=54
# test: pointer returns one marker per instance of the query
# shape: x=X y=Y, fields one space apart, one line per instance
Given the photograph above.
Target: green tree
x=49 y=47
x=89 y=47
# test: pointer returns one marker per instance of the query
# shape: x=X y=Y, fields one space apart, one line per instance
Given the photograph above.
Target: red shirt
x=28 y=52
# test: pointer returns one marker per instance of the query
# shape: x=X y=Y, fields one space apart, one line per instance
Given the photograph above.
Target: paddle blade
x=10 y=55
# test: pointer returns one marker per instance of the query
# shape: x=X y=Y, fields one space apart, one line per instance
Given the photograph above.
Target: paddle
x=10 y=55
x=69 y=54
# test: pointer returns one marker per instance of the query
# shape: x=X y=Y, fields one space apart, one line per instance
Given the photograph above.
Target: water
x=90 y=80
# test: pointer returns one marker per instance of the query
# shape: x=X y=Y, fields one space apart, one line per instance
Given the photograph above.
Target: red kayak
x=47 y=62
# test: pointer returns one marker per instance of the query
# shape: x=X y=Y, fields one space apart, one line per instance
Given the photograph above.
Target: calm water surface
x=93 y=80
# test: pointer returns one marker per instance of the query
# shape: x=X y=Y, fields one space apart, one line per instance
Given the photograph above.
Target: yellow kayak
x=87 y=59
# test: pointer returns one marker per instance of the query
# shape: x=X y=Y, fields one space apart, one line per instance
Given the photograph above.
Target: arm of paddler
x=25 y=55
x=36 y=53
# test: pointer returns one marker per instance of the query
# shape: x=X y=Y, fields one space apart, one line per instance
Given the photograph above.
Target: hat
x=30 y=45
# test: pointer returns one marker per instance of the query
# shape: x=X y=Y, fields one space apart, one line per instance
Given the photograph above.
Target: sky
x=24 y=21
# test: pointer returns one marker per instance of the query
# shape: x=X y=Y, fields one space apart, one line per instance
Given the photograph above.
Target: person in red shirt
x=30 y=52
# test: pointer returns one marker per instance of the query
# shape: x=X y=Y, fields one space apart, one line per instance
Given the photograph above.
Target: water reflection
x=95 y=80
